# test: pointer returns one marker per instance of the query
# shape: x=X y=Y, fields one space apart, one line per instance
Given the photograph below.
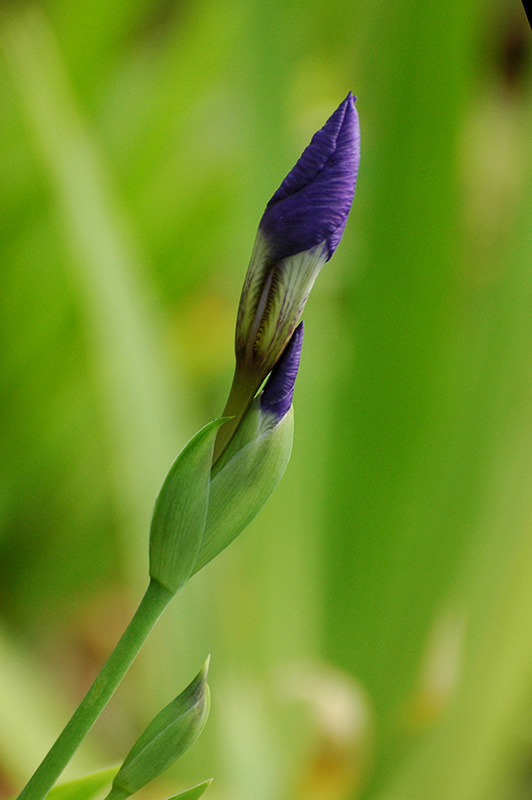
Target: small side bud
x=255 y=460
x=165 y=739
x=276 y=398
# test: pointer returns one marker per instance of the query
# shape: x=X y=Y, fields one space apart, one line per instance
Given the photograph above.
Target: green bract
x=165 y=739
x=84 y=788
x=181 y=510
x=200 y=511
x=242 y=485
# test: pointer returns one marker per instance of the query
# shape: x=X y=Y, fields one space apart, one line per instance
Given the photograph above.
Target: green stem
x=243 y=390
x=116 y=666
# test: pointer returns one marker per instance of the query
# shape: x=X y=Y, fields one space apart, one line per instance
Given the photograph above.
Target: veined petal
x=276 y=297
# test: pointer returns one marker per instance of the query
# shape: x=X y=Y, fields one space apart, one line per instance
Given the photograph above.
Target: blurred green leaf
x=84 y=788
x=193 y=793
x=398 y=401
x=106 y=264
x=31 y=711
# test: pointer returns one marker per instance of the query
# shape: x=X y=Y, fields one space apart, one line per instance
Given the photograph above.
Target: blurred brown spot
x=86 y=639
x=6 y=789
x=514 y=53
x=439 y=674
x=339 y=758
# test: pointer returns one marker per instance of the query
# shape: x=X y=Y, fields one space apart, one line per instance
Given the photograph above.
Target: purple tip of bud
x=313 y=202
x=277 y=395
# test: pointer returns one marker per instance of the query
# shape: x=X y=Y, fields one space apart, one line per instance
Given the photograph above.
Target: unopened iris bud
x=255 y=460
x=299 y=231
x=165 y=739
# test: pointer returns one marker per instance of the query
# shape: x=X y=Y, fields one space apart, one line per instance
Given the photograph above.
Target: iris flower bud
x=166 y=738
x=299 y=231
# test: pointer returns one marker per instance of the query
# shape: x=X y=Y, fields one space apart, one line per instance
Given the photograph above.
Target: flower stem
x=243 y=390
x=151 y=606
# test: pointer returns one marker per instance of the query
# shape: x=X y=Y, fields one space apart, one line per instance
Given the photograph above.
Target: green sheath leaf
x=242 y=486
x=181 y=510
x=84 y=788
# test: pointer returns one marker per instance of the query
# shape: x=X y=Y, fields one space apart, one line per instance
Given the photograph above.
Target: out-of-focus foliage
x=371 y=634
x=85 y=788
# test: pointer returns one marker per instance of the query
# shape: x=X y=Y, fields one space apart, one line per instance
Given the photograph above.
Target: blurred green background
x=371 y=633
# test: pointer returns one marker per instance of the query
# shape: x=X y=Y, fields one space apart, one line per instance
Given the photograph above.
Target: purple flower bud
x=312 y=203
x=276 y=398
x=299 y=231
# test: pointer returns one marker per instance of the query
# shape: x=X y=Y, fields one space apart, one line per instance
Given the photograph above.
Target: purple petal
x=279 y=390
x=313 y=202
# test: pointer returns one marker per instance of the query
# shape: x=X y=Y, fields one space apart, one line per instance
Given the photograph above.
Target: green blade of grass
x=392 y=440
x=30 y=713
x=476 y=745
x=120 y=313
